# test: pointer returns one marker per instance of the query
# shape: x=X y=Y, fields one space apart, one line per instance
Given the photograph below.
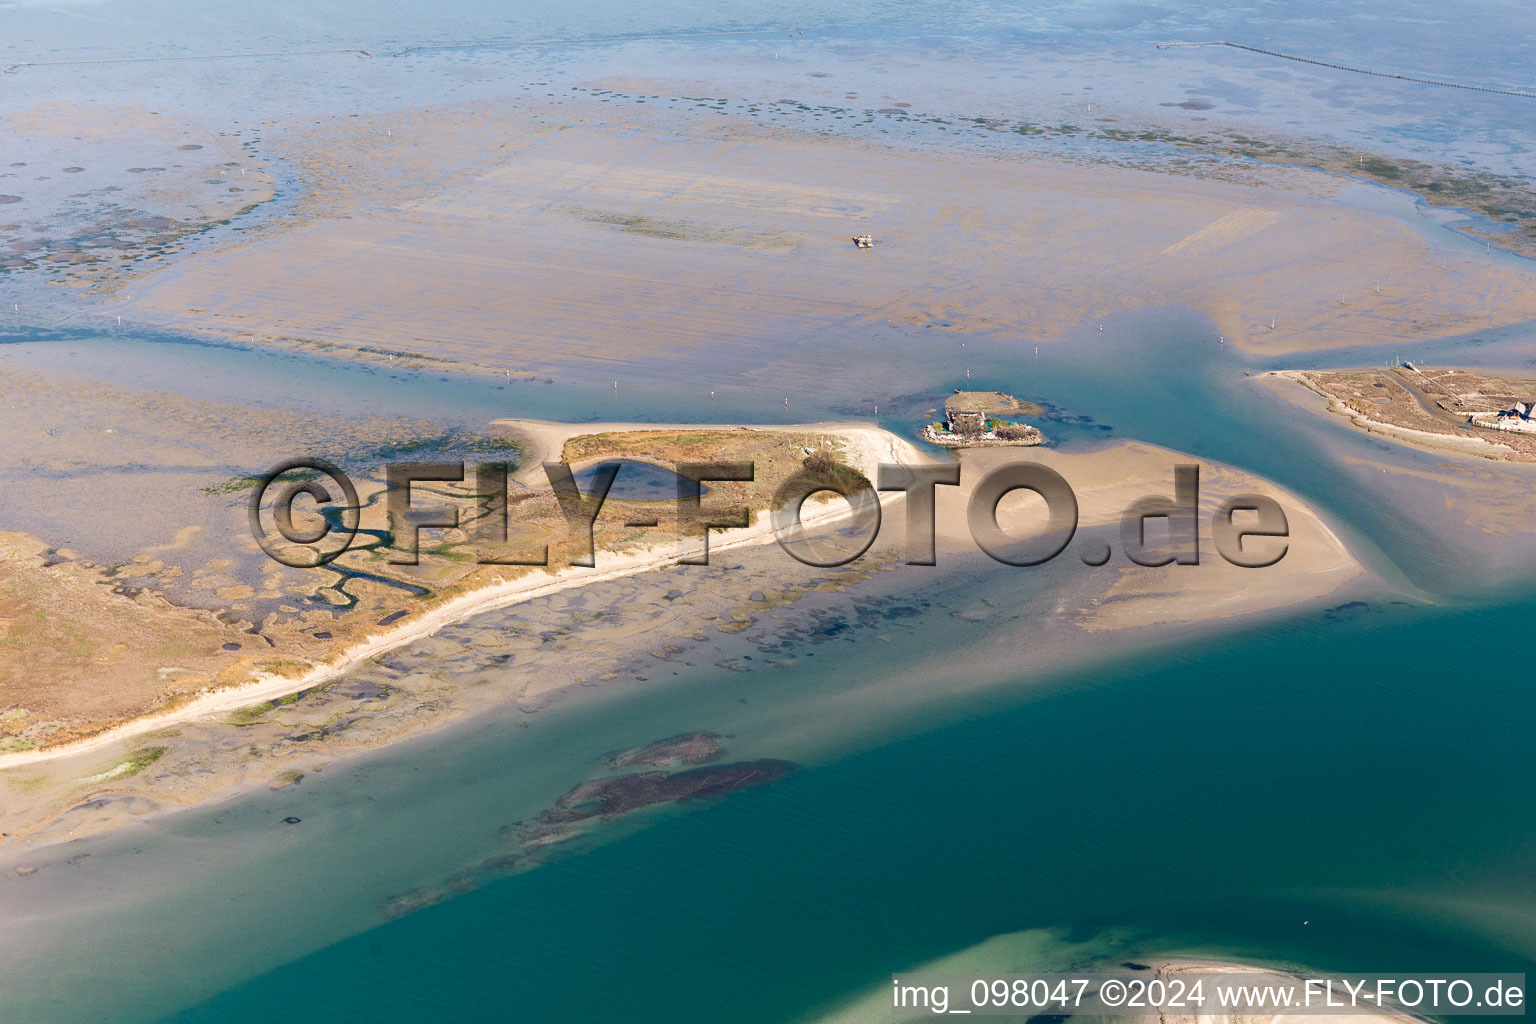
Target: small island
x=977 y=419
x=1441 y=408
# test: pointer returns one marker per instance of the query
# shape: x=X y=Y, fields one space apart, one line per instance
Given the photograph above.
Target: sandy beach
x=1317 y=564
x=1127 y=598
x=867 y=446
x=1117 y=597
x=252 y=251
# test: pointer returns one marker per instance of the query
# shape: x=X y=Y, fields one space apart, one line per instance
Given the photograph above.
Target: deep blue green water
x=1368 y=771
x=1337 y=770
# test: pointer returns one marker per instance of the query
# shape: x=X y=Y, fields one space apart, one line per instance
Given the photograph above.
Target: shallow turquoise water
x=1361 y=771
x=1213 y=798
x=1335 y=768
x=1366 y=769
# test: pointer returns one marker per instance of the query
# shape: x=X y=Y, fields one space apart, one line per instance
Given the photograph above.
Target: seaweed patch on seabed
x=688 y=748
x=1347 y=610
x=597 y=802
x=604 y=634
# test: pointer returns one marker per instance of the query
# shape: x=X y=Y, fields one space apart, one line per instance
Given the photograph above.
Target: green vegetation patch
x=141 y=760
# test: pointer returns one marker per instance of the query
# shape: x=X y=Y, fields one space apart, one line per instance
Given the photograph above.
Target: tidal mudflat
x=742 y=223
x=502 y=238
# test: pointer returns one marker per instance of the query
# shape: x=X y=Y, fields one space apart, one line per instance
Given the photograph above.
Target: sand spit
x=622 y=237
x=1105 y=482
x=275 y=730
x=1316 y=563
x=864 y=446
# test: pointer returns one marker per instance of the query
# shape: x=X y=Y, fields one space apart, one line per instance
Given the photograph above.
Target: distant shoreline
x=1427 y=440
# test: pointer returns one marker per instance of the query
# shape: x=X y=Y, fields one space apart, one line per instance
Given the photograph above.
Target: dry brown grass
x=1435 y=402
x=83 y=649
x=79 y=653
